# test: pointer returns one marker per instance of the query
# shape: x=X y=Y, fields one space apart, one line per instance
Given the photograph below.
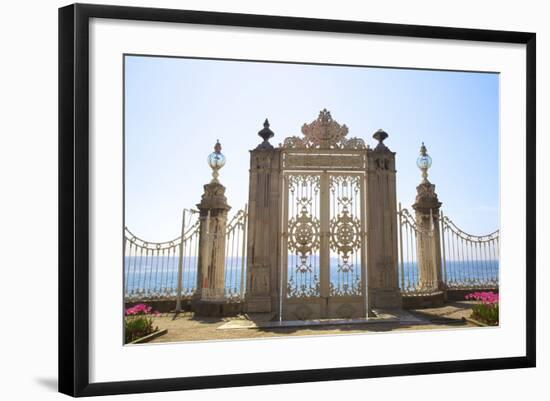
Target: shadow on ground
x=187 y=327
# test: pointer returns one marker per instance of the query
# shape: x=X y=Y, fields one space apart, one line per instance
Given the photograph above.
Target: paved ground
x=188 y=328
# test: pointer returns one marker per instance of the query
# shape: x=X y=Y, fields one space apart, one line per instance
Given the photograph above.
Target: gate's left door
x=301 y=246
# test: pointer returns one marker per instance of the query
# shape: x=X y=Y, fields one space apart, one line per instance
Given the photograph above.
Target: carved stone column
x=383 y=285
x=213 y=210
x=262 y=284
x=211 y=262
x=428 y=244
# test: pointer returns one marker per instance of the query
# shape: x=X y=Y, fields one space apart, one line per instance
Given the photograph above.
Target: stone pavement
x=186 y=327
x=382 y=316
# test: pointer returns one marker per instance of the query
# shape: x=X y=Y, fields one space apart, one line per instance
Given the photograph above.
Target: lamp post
x=427 y=207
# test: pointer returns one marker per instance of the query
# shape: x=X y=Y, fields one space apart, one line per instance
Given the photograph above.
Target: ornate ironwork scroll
x=303 y=241
x=324 y=133
x=345 y=232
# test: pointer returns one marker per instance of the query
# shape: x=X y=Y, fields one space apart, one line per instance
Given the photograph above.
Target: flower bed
x=487 y=310
x=138 y=322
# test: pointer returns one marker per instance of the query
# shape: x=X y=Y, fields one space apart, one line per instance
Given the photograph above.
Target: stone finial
x=423 y=150
x=265 y=134
x=380 y=136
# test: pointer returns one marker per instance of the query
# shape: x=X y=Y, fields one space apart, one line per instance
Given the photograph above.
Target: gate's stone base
x=301 y=311
x=216 y=308
x=385 y=299
x=429 y=300
x=258 y=305
x=343 y=307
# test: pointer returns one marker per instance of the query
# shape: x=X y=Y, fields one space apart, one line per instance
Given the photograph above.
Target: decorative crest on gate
x=324 y=133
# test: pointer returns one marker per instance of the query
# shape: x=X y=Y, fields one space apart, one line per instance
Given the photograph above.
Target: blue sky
x=176 y=108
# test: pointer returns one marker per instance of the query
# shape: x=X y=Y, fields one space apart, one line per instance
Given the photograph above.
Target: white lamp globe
x=216 y=160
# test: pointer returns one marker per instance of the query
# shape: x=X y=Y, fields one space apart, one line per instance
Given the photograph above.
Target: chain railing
x=151 y=268
x=467 y=261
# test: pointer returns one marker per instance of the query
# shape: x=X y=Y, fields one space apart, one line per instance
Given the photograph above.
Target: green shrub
x=487 y=311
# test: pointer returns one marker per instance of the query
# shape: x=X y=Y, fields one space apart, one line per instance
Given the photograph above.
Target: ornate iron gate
x=323 y=227
x=322 y=207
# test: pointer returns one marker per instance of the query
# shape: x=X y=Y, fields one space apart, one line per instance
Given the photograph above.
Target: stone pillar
x=428 y=246
x=211 y=259
x=209 y=296
x=263 y=275
x=382 y=281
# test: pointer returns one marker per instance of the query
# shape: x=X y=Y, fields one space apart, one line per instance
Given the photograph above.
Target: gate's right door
x=346 y=246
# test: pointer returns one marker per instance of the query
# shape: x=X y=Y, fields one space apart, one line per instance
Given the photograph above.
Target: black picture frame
x=74 y=198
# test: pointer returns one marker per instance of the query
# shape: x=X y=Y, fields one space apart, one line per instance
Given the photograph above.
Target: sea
x=159 y=274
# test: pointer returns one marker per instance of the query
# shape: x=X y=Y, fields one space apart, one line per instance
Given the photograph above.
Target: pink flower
x=139 y=309
x=485 y=297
